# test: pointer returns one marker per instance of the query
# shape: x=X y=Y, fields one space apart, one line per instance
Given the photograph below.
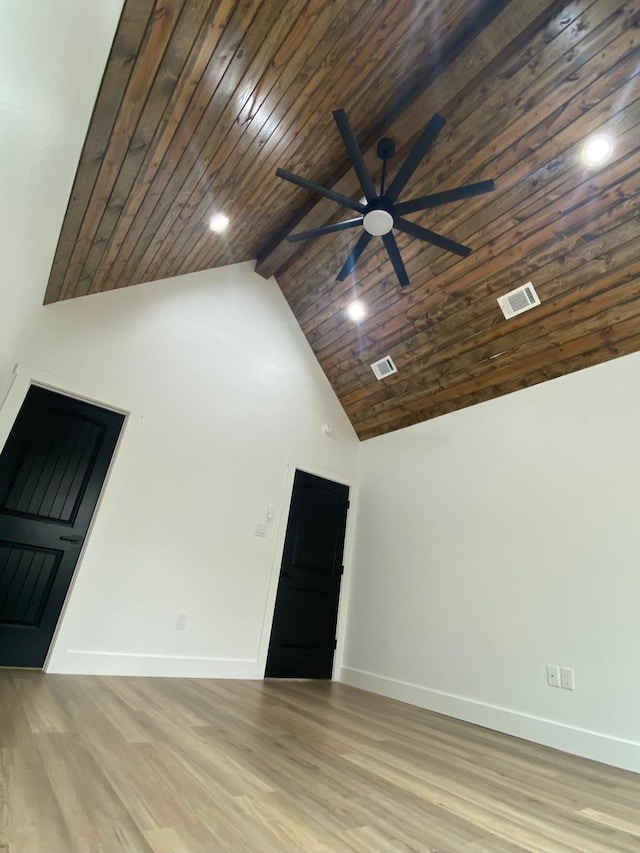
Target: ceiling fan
x=380 y=212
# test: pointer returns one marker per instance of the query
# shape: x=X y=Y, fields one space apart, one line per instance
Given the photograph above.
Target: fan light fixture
x=218 y=223
x=597 y=150
x=377 y=222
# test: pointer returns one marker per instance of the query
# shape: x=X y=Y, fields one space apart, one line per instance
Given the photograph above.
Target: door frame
x=24 y=376
x=347 y=559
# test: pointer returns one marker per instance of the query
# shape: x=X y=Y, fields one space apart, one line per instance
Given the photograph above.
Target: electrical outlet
x=261 y=530
x=553 y=675
x=181 y=622
x=567 y=681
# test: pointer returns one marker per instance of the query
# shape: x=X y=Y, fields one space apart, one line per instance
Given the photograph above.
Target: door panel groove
x=56 y=482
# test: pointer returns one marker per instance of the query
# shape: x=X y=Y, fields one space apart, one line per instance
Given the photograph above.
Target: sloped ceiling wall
x=52 y=56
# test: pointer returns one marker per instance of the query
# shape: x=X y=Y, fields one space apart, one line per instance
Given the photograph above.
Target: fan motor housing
x=386 y=148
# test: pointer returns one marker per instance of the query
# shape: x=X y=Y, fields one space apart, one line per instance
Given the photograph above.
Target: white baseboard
x=588 y=744
x=80 y=662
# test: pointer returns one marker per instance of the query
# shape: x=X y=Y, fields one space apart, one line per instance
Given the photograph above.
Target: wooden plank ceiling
x=202 y=100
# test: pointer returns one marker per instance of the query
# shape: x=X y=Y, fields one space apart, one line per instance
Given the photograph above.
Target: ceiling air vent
x=384 y=367
x=519 y=300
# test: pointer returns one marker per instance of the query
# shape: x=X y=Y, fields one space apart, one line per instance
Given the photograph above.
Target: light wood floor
x=92 y=764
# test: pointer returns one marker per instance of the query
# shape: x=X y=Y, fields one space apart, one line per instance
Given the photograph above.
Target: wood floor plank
x=86 y=800
x=44 y=712
x=32 y=820
x=14 y=725
x=165 y=841
x=146 y=765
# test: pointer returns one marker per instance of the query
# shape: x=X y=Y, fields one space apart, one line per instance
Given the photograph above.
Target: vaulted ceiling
x=202 y=100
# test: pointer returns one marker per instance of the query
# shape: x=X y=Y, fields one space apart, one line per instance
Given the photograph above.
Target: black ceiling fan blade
x=352 y=260
x=394 y=256
x=316 y=188
x=446 y=197
x=431 y=237
x=325 y=229
x=422 y=144
x=355 y=155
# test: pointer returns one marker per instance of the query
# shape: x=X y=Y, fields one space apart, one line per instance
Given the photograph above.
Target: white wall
x=224 y=391
x=52 y=55
x=498 y=539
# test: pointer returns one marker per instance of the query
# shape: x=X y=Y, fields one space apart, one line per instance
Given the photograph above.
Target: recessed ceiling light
x=596 y=150
x=218 y=223
x=356 y=311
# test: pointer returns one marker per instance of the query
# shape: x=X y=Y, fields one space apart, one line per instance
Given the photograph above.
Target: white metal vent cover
x=384 y=367
x=519 y=300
